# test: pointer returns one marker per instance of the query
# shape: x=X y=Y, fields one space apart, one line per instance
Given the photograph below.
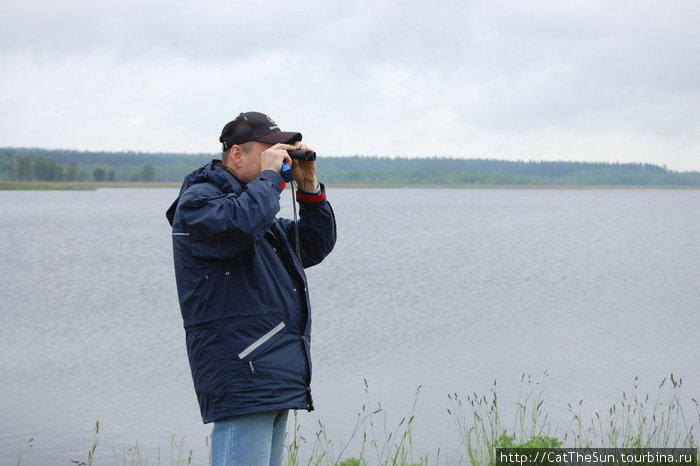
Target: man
x=242 y=287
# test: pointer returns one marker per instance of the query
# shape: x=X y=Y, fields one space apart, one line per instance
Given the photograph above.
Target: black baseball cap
x=255 y=126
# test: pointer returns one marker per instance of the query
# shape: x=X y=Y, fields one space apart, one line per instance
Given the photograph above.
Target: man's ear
x=234 y=159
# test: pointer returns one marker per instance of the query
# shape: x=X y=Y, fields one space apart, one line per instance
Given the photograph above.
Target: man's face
x=251 y=161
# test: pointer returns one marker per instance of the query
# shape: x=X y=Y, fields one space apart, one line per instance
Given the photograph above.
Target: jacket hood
x=213 y=173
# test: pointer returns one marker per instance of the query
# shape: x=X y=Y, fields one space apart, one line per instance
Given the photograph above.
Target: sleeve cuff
x=318 y=196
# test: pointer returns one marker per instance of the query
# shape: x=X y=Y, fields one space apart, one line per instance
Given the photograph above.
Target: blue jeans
x=250 y=440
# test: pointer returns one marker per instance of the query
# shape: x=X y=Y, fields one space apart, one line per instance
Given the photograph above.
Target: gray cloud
x=595 y=80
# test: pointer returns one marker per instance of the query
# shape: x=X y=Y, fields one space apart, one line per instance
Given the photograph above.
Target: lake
x=446 y=289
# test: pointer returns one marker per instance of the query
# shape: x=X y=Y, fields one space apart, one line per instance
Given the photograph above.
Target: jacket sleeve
x=220 y=225
x=317 y=228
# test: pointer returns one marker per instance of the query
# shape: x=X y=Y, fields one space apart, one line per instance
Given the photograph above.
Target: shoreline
x=92 y=186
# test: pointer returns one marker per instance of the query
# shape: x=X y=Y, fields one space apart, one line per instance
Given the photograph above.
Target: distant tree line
x=453 y=171
x=26 y=164
x=62 y=165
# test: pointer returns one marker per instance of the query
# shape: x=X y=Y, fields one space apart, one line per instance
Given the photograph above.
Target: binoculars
x=302 y=155
x=305 y=155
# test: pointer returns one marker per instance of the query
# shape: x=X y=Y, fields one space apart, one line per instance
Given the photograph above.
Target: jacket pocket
x=253 y=347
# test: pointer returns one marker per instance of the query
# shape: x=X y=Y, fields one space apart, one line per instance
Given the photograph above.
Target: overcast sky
x=590 y=80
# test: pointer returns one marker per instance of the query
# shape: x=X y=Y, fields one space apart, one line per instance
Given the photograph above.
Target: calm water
x=446 y=289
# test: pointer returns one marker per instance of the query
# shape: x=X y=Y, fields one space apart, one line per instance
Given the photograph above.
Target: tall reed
x=378 y=444
x=481 y=429
x=637 y=421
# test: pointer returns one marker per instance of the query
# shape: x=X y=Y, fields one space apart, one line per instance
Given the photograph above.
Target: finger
x=300 y=146
x=281 y=146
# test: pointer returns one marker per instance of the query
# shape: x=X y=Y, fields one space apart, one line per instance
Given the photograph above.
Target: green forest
x=51 y=165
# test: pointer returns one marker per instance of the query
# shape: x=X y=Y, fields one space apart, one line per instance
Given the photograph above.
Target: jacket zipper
x=261 y=341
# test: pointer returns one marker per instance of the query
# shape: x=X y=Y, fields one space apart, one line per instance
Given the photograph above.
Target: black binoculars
x=306 y=155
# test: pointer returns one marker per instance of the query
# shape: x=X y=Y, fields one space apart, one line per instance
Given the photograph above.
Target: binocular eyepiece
x=300 y=154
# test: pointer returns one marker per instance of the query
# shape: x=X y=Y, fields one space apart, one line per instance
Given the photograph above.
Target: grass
x=639 y=421
x=379 y=444
x=636 y=421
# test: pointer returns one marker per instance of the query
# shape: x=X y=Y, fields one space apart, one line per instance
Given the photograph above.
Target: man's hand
x=305 y=171
x=273 y=157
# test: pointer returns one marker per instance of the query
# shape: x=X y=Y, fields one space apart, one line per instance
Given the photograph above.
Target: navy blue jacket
x=243 y=292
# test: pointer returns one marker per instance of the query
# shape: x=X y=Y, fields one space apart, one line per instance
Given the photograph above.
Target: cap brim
x=283 y=137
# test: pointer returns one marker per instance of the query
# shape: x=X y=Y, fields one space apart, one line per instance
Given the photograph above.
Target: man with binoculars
x=242 y=287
